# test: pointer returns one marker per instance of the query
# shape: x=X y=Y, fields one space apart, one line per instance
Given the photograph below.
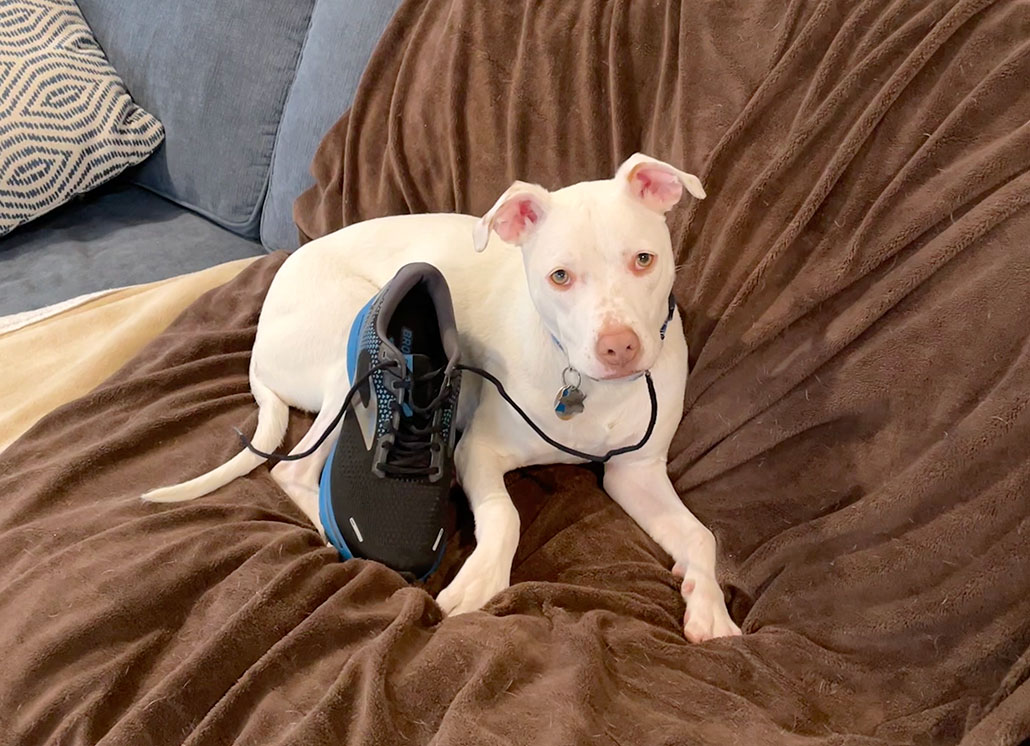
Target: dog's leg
x=299 y=479
x=487 y=571
x=644 y=491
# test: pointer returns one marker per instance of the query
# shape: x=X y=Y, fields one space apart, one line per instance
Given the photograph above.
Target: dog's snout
x=617 y=346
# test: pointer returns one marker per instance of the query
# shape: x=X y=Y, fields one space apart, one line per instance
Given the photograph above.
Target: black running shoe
x=384 y=489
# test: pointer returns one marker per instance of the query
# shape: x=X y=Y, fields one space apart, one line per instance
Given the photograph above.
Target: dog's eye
x=561 y=277
x=644 y=260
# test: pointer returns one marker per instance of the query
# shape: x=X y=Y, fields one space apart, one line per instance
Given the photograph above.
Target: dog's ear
x=514 y=216
x=655 y=183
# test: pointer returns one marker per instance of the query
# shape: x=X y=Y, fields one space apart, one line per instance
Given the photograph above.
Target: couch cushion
x=339 y=44
x=216 y=74
x=121 y=235
x=67 y=123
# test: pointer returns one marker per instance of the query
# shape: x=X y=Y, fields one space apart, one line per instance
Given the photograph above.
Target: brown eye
x=561 y=277
x=644 y=260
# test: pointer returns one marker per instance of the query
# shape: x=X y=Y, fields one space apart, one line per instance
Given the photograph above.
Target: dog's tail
x=273 y=418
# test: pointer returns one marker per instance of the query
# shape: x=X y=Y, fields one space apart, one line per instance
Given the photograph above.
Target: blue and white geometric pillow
x=67 y=124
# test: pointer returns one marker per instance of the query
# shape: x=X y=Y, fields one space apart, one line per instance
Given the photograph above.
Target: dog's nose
x=617 y=346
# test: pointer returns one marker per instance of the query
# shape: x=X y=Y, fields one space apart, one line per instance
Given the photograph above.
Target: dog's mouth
x=621 y=375
x=630 y=372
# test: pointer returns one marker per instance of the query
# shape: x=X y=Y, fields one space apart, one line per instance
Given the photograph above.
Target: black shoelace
x=412 y=443
x=415 y=436
x=560 y=446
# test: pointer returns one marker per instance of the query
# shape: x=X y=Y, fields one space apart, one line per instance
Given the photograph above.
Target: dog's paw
x=475 y=584
x=706 y=616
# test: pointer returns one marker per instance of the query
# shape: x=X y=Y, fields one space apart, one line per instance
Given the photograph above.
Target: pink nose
x=617 y=346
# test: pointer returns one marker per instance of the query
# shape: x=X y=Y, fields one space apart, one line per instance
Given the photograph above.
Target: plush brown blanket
x=856 y=289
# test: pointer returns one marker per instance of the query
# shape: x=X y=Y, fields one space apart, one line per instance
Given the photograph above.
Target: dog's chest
x=613 y=418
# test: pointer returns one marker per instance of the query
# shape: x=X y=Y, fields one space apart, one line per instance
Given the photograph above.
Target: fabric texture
x=117 y=236
x=68 y=351
x=856 y=432
x=67 y=124
x=216 y=74
x=339 y=43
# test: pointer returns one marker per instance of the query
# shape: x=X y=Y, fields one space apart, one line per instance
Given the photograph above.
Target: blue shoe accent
x=325 y=511
x=354 y=339
x=325 y=504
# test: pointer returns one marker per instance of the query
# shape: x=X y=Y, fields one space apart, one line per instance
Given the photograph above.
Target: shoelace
x=275 y=456
x=500 y=390
x=562 y=447
x=414 y=443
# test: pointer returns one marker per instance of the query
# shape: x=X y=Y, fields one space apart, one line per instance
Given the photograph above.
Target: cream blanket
x=56 y=354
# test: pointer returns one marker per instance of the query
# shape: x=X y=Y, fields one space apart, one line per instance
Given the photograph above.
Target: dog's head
x=599 y=260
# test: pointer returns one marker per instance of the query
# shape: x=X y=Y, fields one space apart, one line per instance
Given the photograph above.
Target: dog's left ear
x=514 y=216
x=655 y=183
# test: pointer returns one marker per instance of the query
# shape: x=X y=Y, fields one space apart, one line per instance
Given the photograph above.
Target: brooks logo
x=407 y=337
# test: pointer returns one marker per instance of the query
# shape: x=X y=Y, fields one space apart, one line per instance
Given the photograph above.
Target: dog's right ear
x=514 y=216
x=655 y=183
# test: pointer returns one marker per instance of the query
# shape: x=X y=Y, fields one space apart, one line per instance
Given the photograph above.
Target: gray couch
x=245 y=90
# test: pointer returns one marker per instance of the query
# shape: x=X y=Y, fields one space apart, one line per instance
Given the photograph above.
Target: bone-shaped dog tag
x=569 y=402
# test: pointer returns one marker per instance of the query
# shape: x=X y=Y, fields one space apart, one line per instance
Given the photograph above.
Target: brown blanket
x=856 y=290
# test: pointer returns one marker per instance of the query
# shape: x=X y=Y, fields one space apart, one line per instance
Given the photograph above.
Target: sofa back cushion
x=342 y=37
x=216 y=74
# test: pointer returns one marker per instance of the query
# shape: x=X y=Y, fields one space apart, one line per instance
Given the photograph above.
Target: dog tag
x=569 y=401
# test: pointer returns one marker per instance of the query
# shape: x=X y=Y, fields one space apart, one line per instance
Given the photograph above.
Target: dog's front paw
x=706 y=615
x=476 y=583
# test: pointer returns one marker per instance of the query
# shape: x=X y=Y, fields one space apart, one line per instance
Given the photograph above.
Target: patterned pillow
x=67 y=123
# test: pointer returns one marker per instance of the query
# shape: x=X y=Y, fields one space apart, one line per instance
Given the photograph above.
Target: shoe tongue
x=419 y=364
x=423 y=392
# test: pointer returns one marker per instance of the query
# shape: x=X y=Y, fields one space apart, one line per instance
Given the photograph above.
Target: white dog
x=578 y=277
